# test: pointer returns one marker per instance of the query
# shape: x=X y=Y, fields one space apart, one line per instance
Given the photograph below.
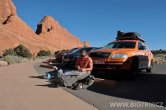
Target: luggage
x=128 y=36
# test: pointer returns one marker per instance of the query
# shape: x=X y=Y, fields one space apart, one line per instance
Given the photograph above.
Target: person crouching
x=84 y=66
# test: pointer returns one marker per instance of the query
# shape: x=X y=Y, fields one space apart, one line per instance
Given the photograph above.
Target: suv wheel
x=149 y=69
x=134 y=66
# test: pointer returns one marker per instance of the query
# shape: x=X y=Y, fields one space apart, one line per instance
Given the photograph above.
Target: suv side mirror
x=142 y=48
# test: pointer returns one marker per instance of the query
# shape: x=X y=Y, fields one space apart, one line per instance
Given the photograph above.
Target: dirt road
x=20 y=90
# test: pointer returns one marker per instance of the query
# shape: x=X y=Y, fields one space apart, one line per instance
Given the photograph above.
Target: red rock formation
x=49 y=34
x=13 y=31
x=86 y=44
x=7 y=9
x=49 y=30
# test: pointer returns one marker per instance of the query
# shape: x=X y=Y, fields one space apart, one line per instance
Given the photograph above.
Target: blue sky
x=98 y=20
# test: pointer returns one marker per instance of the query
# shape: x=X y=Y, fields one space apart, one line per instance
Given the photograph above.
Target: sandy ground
x=20 y=90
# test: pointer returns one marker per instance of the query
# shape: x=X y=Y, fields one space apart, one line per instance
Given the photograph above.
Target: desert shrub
x=60 y=51
x=14 y=59
x=22 y=60
x=9 y=52
x=44 y=53
x=64 y=50
x=11 y=59
x=56 y=52
x=22 y=51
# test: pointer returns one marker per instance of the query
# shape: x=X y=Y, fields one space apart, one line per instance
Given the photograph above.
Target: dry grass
x=9 y=59
x=14 y=59
x=160 y=58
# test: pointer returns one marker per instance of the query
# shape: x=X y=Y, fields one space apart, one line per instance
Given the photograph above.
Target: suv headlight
x=120 y=55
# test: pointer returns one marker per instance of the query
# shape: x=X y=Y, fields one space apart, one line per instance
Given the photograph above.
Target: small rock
x=3 y=63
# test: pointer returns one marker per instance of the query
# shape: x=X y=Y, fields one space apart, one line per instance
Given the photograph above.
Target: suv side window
x=145 y=46
x=88 y=49
x=142 y=46
x=139 y=45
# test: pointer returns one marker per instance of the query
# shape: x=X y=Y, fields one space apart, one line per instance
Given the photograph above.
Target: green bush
x=44 y=53
x=22 y=51
x=9 y=52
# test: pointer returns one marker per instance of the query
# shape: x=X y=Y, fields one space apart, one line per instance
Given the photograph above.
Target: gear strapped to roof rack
x=128 y=36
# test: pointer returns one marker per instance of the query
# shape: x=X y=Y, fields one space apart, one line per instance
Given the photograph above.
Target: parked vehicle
x=60 y=55
x=71 y=58
x=127 y=52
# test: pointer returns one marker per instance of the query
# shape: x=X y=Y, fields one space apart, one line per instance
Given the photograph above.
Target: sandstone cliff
x=49 y=34
x=50 y=31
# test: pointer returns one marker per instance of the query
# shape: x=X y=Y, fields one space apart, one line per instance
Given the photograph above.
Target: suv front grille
x=68 y=57
x=100 y=55
x=107 y=66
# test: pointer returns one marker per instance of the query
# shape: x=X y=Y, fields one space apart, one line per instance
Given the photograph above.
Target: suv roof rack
x=128 y=36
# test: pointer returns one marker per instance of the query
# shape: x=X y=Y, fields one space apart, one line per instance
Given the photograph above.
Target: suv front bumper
x=114 y=65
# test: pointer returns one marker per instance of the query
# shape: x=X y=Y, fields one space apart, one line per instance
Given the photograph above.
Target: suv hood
x=116 y=50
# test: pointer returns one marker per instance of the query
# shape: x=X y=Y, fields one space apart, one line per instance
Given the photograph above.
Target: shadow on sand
x=38 y=77
x=48 y=85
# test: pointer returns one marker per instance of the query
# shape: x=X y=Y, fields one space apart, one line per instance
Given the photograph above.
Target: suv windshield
x=79 y=50
x=72 y=50
x=120 y=45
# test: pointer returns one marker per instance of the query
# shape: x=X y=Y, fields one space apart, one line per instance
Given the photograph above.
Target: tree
x=44 y=53
x=22 y=51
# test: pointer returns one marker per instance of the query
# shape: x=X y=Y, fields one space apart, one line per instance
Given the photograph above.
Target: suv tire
x=149 y=69
x=134 y=66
